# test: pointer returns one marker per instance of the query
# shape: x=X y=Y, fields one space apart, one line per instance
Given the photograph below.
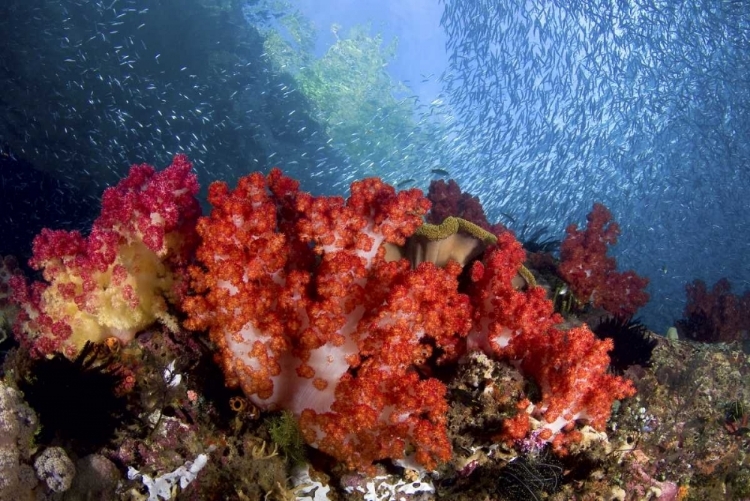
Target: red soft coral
x=569 y=366
x=421 y=312
x=592 y=274
x=502 y=313
x=309 y=317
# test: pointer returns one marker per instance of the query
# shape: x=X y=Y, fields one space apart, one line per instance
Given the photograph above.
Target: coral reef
x=678 y=433
x=96 y=478
x=26 y=471
x=453 y=239
x=350 y=375
x=683 y=436
x=569 y=366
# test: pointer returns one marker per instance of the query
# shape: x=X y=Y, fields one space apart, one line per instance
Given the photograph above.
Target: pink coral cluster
x=592 y=275
x=121 y=277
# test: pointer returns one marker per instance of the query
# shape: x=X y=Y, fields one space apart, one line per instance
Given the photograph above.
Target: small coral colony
x=349 y=314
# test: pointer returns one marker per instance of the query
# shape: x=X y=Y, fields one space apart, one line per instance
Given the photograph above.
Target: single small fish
x=508 y=216
x=405 y=182
x=440 y=172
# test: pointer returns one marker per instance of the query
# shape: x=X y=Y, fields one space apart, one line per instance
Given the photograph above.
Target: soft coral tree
x=592 y=275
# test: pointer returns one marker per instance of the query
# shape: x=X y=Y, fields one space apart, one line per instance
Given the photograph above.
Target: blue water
x=641 y=105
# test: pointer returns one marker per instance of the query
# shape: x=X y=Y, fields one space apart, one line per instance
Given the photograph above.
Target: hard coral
x=120 y=278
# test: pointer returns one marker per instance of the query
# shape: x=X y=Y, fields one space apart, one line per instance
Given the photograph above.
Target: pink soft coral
x=120 y=278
